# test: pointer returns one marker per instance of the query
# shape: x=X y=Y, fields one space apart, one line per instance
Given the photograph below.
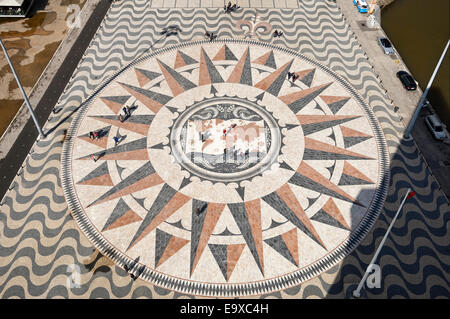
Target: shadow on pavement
x=414 y=258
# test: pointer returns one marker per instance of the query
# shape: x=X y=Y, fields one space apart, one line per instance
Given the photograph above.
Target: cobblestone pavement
x=42 y=246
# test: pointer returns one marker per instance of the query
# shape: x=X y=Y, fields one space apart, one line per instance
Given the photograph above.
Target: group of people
x=127 y=269
x=230 y=8
x=94 y=135
x=293 y=76
x=127 y=111
x=210 y=35
x=97 y=134
x=277 y=33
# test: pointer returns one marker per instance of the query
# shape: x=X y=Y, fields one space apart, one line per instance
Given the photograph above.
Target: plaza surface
x=298 y=215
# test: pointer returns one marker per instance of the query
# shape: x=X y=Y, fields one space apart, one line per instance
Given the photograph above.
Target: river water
x=419 y=30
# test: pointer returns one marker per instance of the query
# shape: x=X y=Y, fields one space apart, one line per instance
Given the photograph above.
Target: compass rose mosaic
x=225 y=177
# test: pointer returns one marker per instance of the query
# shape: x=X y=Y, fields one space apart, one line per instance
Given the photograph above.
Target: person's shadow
x=120 y=137
x=133 y=108
x=102 y=133
x=100 y=155
x=170 y=30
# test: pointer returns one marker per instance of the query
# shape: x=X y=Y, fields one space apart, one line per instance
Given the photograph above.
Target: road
x=11 y=163
x=435 y=153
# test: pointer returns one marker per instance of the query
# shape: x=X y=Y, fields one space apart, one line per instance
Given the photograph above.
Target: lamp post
x=357 y=291
x=27 y=102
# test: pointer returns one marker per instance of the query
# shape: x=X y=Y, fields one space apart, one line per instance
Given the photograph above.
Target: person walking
x=293 y=76
x=121 y=118
x=228 y=7
x=116 y=140
x=277 y=33
x=211 y=36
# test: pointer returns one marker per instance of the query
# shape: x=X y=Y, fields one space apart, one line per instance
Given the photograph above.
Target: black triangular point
x=213 y=90
x=240 y=190
x=270 y=62
x=260 y=96
x=184 y=182
x=149 y=74
x=187 y=59
x=229 y=55
x=290 y=126
x=308 y=78
x=159 y=146
x=286 y=166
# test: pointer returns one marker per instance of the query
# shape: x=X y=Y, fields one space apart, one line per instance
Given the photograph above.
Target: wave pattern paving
x=39 y=239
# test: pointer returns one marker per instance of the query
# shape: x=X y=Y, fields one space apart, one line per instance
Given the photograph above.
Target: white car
x=386 y=45
x=435 y=126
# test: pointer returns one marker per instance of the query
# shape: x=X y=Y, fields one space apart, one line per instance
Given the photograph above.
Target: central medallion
x=225 y=139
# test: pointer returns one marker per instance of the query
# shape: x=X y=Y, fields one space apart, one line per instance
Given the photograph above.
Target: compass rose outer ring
x=228 y=290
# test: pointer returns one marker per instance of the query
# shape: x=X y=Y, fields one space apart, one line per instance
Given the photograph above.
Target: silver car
x=386 y=45
x=435 y=126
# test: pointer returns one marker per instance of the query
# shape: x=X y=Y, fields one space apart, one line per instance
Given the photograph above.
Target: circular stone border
x=256 y=169
x=229 y=290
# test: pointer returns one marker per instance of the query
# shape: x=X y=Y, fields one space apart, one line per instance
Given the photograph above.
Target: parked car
x=407 y=80
x=386 y=45
x=435 y=127
x=361 y=5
